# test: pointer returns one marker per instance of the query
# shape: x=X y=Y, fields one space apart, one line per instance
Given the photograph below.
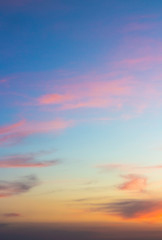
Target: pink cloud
x=151 y=167
x=92 y=94
x=121 y=90
x=134 y=182
x=11 y=128
x=12 y=138
x=4 y=80
x=54 y=99
x=142 y=63
x=49 y=126
x=139 y=54
x=127 y=95
x=16 y=132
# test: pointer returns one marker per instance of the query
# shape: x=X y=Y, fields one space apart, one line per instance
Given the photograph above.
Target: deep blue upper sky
x=45 y=35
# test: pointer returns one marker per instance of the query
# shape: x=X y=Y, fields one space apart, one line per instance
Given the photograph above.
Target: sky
x=80 y=123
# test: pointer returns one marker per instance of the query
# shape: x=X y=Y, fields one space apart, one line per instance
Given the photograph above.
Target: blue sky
x=80 y=126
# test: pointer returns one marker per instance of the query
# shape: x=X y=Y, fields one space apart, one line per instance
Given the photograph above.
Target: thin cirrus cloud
x=133 y=183
x=127 y=167
x=138 y=55
x=125 y=95
x=25 y=161
x=16 y=132
x=12 y=188
x=91 y=94
x=143 y=210
x=114 y=166
x=140 y=63
x=10 y=128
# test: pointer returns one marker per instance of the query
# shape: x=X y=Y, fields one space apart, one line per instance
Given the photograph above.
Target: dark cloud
x=130 y=208
x=8 y=189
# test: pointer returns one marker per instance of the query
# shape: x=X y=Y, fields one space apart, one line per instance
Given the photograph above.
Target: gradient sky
x=81 y=112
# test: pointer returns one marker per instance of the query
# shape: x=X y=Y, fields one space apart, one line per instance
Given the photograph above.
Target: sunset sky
x=81 y=113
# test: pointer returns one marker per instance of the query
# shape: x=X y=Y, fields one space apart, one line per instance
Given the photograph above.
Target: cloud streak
x=91 y=94
x=127 y=167
x=11 y=128
x=16 y=132
x=25 y=161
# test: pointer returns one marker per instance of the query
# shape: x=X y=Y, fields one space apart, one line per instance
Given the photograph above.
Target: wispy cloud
x=140 y=63
x=127 y=167
x=15 y=132
x=12 y=188
x=11 y=128
x=91 y=94
x=127 y=95
x=114 y=166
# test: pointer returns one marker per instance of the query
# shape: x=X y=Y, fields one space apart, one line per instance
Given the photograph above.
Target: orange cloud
x=134 y=182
